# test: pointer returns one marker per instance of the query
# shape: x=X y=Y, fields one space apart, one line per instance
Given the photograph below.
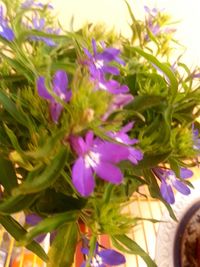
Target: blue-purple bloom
x=168 y=180
x=96 y=156
x=100 y=64
x=103 y=257
x=196 y=139
x=117 y=103
x=60 y=88
x=5 y=31
x=121 y=136
x=39 y=25
x=31 y=3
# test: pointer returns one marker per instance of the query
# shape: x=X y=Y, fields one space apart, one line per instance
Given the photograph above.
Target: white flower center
x=96 y=261
x=92 y=159
x=62 y=96
x=98 y=64
x=102 y=86
x=1 y=28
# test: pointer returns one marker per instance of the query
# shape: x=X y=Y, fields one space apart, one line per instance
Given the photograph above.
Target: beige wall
x=114 y=13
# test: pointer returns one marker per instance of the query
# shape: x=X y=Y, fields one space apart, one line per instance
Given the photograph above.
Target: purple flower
x=31 y=3
x=135 y=155
x=60 y=88
x=117 y=103
x=111 y=86
x=5 y=31
x=196 y=139
x=99 y=63
x=168 y=180
x=103 y=257
x=96 y=156
x=39 y=24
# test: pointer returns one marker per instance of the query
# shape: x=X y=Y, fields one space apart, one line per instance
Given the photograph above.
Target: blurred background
x=114 y=13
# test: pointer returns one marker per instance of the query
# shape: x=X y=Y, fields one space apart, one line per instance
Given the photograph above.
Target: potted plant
x=87 y=117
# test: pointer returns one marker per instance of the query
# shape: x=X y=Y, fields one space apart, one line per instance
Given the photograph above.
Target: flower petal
x=55 y=110
x=111 y=257
x=32 y=219
x=109 y=172
x=181 y=187
x=112 y=152
x=167 y=192
x=82 y=177
x=42 y=90
x=60 y=82
x=135 y=155
x=185 y=173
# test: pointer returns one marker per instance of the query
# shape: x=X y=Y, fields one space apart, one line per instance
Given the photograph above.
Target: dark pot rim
x=191 y=210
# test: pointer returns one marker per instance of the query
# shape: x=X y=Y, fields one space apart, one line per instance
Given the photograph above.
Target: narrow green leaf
x=15 y=204
x=50 y=224
x=8 y=176
x=18 y=232
x=143 y=102
x=12 y=110
x=46 y=178
x=135 y=249
x=63 y=248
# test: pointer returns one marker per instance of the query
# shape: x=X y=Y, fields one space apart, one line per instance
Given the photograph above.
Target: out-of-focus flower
x=5 y=31
x=117 y=103
x=32 y=3
x=60 y=88
x=39 y=24
x=196 y=139
x=99 y=157
x=168 y=180
x=103 y=257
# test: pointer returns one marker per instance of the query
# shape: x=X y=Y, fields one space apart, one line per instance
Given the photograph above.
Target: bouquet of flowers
x=87 y=118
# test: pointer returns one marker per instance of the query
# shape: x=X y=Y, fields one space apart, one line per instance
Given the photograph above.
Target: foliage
x=86 y=118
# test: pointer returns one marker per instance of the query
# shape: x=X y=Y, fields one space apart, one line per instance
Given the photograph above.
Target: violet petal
x=82 y=177
x=111 y=257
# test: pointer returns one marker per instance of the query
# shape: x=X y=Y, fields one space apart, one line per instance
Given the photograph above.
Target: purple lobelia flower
x=111 y=86
x=135 y=155
x=96 y=156
x=32 y=3
x=60 y=88
x=39 y=24
x=5 y=31
x=168 y=180
x=99 y=63
x=103 y=257
x=117 y=103
x=196 y=139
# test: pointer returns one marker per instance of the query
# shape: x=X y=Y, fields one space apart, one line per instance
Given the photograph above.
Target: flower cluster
x=85 y=121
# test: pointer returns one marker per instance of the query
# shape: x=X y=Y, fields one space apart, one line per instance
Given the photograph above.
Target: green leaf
x=50 y=224
x=63 y=248
x=164 y=68
x=12 y=110
x=46 y=178
x=143 y=102
x=18 y=232
x=8 y=176
x=148 y=161
x=133 y=248
x=48 y=146
x=15 y=204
